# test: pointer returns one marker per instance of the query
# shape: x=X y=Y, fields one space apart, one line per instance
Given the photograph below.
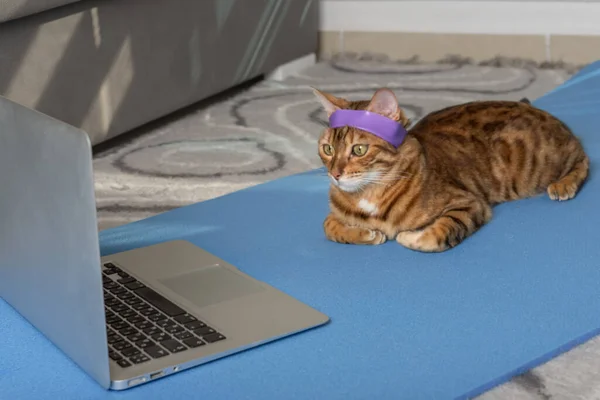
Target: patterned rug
x=269 y=130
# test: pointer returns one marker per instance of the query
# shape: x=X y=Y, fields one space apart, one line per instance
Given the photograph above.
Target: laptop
x=129 y=318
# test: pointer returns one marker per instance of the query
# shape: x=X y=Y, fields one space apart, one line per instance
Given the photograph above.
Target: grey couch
x=108 y=66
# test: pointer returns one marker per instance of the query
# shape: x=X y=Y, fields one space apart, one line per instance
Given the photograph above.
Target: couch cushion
x=13 y=9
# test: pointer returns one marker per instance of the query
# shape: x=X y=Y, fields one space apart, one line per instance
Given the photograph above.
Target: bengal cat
x=439 y=185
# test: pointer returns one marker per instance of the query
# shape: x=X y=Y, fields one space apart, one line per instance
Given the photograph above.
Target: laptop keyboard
x=142 y=325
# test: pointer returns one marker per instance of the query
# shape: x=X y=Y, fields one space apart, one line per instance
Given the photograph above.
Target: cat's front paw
x=376 y=237
x=421 y=241
x=337 y=231
x=359 y=236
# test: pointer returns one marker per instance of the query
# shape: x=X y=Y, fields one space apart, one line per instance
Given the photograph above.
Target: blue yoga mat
x=403 y=324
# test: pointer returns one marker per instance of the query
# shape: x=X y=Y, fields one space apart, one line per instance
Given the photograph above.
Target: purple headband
x=383 y=127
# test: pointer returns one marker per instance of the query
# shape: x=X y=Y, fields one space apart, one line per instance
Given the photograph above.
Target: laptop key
x=133 y=300
x=204 y=331
x=124 y=363
x=127 y=295
x=173 y=345
x=142 y=344
x=195 y=325
x=166 y=324
x=110 y=271
x=114 y=339
x=119 y=307
x=122 y=345
x=124 y=281
x=173 y=329
x=193 y=342
x=136 y=336
x=111 y=302
x=134 y=319
x=113 y=320
x=140 y=306
x=159 y=302
x=123 y=274
x=144 y=325
x=128 y=331
x=139 y=358
x=118 y=290
x=120 y=325
x=111 y=317
x=134 y=285
x=110 y=285
x=183 y=335
x=157 y=317
x=213 y=337
x=184 y=319
x=127 y=313
x=130 y=351
x=156 y=351
x=114 y=355
x=159 y=337
x=153 y=330
x=148 y=311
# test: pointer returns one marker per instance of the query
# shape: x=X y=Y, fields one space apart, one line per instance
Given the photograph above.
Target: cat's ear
x=330 y=103
x=384 y=102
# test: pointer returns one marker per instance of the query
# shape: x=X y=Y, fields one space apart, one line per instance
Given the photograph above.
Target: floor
x=269 y=130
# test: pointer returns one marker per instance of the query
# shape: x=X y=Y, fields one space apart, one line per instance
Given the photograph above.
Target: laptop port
x=136 y=381
x=156 y=374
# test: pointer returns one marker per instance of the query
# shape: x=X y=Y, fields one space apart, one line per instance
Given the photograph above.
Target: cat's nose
x=336 y=175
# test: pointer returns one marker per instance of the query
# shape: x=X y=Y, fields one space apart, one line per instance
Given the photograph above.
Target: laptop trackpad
x=211 y=285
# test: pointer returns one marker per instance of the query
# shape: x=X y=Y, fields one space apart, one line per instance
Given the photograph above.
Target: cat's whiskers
x=394 y=174
x=390 y=178
x=387 y=178
x=363 y=179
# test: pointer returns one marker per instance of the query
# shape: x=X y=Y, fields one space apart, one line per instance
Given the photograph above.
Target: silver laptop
x=128 y=318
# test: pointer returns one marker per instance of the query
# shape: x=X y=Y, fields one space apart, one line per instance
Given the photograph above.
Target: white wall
x=545 y=17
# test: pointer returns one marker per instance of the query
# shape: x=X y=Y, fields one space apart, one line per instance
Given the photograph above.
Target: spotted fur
x=439 y=186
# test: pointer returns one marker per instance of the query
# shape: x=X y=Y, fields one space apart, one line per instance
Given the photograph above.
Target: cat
x=439 y=185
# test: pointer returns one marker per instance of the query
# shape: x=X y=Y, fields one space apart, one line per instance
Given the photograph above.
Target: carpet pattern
x=269 y=130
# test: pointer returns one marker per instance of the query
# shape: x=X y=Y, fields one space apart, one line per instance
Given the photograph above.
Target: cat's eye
x=328 y=149
x=360 y=149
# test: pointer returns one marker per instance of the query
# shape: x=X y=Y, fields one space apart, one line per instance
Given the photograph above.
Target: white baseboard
x=290 y=68
x=469 y=17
